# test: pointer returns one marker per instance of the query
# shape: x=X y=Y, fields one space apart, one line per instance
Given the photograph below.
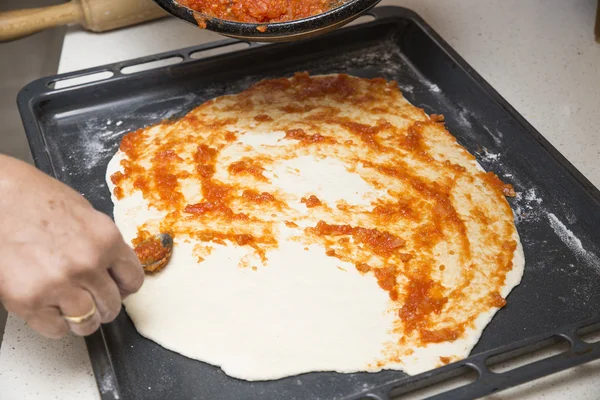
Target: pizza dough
x=320 y=224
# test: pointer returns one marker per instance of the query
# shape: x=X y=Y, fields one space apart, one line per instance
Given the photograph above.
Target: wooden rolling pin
x=93 y=15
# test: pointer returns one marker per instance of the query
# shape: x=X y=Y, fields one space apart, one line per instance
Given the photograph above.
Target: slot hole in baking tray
x=590 y=334
x=436 y=384
x=526 y=355
x=80 y=80
x=147 y=66
x=219 y=50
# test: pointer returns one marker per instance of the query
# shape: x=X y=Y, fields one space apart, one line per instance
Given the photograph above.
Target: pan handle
x=21 y=23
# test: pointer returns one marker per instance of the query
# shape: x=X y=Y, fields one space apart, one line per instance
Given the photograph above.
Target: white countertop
x=539 y=54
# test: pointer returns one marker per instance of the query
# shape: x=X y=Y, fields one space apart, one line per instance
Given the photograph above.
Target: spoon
x=155 y=253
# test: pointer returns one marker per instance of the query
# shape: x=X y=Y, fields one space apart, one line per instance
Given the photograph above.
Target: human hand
x=58 y=255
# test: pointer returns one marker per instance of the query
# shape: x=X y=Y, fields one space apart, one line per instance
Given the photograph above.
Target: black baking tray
x=74 y=131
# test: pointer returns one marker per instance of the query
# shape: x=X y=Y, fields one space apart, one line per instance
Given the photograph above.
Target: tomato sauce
x=231 y=213
x=260 y=11
x=256 y=197
x=312 y=201
x=263 y=118
x=300 y=135
x=248 y=167
x=151 y=253
x=380 y=242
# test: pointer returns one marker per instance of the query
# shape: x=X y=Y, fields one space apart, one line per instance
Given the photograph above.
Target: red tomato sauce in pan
x=260 y=11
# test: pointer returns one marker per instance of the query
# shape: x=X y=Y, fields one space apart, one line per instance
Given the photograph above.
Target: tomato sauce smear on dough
x=426 y=215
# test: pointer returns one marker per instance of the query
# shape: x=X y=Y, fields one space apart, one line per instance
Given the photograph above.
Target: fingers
x=83 y=270
x=49 y=323
x=106 y=294
x=77 y=303
x=60 y=257
x=124 y=266
x=126 y=270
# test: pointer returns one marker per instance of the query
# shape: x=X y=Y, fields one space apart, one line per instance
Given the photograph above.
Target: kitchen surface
x=540 y=55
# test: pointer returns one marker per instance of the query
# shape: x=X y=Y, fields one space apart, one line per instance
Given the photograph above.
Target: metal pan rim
x=276 y=31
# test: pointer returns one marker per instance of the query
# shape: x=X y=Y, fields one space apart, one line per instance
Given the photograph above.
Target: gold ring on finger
x=83 y=319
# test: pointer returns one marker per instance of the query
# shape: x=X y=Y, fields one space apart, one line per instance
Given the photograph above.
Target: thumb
x=126 y=270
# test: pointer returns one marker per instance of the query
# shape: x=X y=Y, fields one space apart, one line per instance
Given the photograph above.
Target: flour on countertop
x=107 y=385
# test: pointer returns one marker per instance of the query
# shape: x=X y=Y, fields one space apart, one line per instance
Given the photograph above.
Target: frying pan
x=275 y=32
